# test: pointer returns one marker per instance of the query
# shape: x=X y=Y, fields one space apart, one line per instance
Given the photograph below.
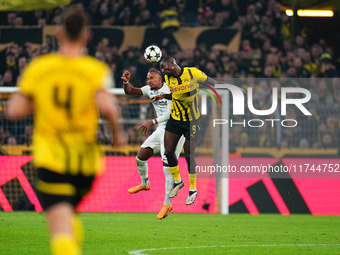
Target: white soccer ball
x=153 y=54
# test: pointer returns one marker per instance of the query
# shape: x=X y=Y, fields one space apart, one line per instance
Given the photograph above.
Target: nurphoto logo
x=238 y=97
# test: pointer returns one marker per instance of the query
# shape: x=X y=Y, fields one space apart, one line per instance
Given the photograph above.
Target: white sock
x=169 y=183
x=143 y=171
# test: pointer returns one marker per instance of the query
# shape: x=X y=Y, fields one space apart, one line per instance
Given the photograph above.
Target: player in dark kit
x=184 y=119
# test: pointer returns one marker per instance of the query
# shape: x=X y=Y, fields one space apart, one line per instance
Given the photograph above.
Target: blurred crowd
x=220 y=13
x=267 y=50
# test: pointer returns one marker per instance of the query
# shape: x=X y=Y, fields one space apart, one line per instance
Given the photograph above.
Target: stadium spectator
x=4 y=135
x=22 y=62
x=327 y=67
x=18 y=22
x=337 y=100
x=284 y=144
x=264 y=134
x=310 y=68
x=322 y=130
x=11 y=19
x=244 y=140
x=268 y=72
x=44 y=49
x=303 y=144
x=7 y=80
x=322 y=94
x=327 y=142
x=10 y=61
x=27 y=136
x=11 y=140
x=33 y=18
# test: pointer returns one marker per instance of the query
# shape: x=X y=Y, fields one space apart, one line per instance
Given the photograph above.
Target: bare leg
x=59 y=218
x=189 y=148
x=145 y=153
x=170 y=143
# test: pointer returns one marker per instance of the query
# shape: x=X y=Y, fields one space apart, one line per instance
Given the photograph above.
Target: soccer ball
x=153 y=54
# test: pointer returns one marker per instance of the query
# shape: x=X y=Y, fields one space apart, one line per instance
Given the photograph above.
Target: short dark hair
x=167 y=59
x=155 y=71
x=73 y=21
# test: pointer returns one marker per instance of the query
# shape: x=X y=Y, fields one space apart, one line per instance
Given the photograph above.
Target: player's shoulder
x=165 y=88
x=43 y=60
x=146 y=89
x=194 y=71
x=36 y=65
x=191 y=68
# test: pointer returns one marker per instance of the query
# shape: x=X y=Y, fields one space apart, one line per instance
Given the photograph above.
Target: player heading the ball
x=155 y=142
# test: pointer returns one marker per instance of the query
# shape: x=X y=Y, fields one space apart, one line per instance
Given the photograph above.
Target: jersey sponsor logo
x=161 y=103
x=183 y=87
x=156 y=93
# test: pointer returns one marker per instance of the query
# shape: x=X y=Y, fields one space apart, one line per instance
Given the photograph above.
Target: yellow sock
x=175 y=172
x=192 y=178
x=64 y=245
x=78 y=230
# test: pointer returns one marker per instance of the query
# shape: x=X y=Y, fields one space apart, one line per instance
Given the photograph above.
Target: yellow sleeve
x=198 y=74
x=27 y=80
x=104 y=79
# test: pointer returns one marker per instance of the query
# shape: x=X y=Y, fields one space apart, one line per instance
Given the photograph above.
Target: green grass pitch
x=121 y=233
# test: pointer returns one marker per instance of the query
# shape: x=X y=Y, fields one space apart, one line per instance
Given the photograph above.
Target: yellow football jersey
x=185 y=91
x=66 y=116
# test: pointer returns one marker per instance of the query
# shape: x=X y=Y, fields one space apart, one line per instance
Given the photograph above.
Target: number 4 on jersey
x=63 y=102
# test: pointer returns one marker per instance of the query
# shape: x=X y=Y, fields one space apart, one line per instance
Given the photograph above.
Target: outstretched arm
x=128 y=88
x=200 y=77
x=211 y=81
x=160 y=97
x=148 y=124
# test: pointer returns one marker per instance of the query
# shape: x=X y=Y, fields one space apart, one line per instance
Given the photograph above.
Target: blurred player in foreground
x=184 y=119
x=65 y=90
x=155 y=142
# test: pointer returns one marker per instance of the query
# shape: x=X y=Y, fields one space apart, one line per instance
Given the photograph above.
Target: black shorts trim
x=190 y=129
x=80 y=184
